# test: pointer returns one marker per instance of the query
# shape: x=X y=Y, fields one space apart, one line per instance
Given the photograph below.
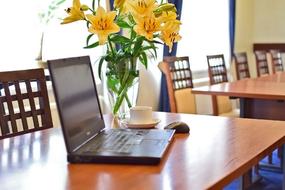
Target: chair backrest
x=217 y=69
x=241 y=65
x=24 y=104
x=276 y=61
x=261 y=63
x=179 y=83
x=218 y=73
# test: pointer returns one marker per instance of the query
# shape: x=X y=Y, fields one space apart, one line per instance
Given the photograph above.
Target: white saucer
x=151 y=124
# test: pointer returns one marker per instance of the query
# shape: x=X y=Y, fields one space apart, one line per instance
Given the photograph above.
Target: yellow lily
x=119 y=3
x=170 y=33
x=75 y=12
x=140 y=8
x=167 y=16
x=146 y=26
x=103 y=24
x=122 y=5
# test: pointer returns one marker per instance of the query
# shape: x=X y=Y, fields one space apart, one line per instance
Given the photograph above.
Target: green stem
x=111 y=47
x=123 y=94
x=132 y=63
x=119 y=99
x=128 y=100
x=93 y=5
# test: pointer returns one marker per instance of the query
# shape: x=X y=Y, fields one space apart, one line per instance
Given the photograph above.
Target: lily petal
x=75 y=13
x=103 y=24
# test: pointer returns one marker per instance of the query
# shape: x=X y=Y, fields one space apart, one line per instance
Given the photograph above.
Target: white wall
x=258 y=21
x=269 y=25
x=244 y=31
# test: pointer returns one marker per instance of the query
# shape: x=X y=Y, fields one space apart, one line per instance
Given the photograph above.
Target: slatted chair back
x=217 y=69
x=261 y=63
x=276 y=61
x=241 y=65
x=179 y=83
x=24 y=104
x=218 y=74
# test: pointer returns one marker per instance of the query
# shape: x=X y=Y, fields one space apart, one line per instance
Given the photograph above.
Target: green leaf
x=138 y=45
x=143 y=59
x=112 y=83
x=100 y=66
x=119 y=39
x=154 y=42
x=133 y=34
x=92 y=45
x=151 y=47
x=123 y=24
x=60 y=2
x=88 y=23
x=88 y=38
x=147 y=48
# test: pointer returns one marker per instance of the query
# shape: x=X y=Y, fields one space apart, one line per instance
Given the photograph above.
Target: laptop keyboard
x=115 y=141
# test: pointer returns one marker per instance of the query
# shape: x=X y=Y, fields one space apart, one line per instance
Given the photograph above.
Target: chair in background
x=218 y=74
x=276 y=61
x=241 y=65
x=261 y=63
x=22 y=108
x=179 y=84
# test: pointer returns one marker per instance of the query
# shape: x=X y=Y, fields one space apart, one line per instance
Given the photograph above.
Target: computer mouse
x=179 y=126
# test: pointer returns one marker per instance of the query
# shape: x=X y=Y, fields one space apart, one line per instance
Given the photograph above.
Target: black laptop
x=86 y=138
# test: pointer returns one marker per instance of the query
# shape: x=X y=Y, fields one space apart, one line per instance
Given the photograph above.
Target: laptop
x=87 y=139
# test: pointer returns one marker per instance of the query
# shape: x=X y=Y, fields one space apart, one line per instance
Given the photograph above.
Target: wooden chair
x=276 y=61
x=22 y=108
x=261 y=63
x=218 y=74
x=179 y=84
x=241 y=65
x=217 y=69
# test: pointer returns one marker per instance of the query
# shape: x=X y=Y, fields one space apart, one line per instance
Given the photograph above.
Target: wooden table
x=217 y=151
x=260 y=98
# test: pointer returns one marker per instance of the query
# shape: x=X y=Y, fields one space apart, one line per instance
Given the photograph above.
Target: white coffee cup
x=141 y=115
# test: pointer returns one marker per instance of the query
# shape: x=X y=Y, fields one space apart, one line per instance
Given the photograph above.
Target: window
x=204 y=31
x=21 y=34
x=68 y=40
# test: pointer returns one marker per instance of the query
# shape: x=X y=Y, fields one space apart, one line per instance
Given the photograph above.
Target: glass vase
x=122 y=81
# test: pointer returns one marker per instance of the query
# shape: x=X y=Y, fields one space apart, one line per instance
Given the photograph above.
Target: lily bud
x=84 y=7
x=167 y=7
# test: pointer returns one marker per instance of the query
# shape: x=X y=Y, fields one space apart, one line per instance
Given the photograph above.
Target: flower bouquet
x=130 y=33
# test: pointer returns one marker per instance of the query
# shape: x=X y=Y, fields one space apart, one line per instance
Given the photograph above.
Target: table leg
x=283 y=167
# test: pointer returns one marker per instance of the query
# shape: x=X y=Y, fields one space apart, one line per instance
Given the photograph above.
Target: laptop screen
x=77 y=99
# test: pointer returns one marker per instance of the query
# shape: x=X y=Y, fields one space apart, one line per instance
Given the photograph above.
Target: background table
x=217 y=151
x=261 y=98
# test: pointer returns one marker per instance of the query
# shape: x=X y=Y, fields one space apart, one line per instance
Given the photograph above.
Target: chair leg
x=270 y=158
x=279 y=152
x=280 y=156
x=256 y=169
